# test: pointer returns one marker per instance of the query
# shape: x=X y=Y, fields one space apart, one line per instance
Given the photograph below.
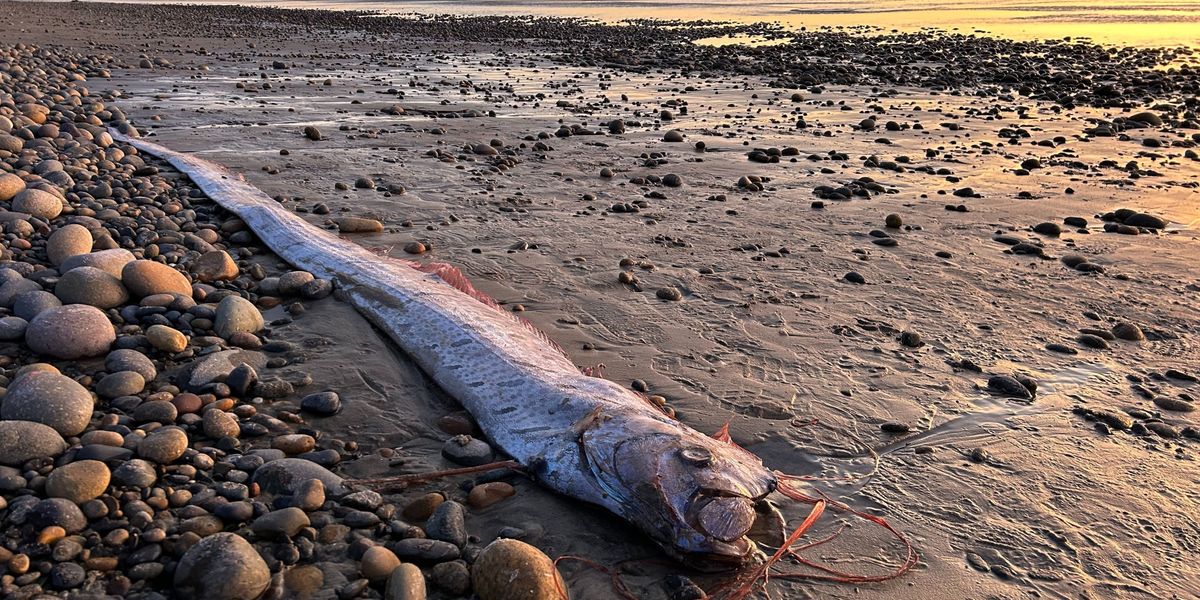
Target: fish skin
x=582 y=436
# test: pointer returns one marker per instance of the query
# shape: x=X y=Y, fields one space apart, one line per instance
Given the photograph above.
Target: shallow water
x=1137 y=22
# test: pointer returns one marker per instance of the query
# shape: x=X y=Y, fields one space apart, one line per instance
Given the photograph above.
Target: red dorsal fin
x=456 y=279
x=722 y=434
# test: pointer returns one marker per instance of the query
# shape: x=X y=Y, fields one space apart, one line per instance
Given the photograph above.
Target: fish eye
x=697 y=455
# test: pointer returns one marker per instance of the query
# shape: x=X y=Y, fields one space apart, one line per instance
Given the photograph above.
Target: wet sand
x=1003 y=497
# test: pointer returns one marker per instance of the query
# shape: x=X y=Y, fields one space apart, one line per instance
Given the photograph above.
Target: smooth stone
x=322 y=403
x=111 y=261
x=1128 y=332
x=133 y=472
x=453 y=578
x=513 y=570
x=12 y=328
x=51 y=399
x=214 y=266
x=121 y=383
x=130 y=360
x=67 y=241
x=309 y=496
x=12 y=288
x=91 y=286
x=290 y=283
x=167 y=339
x=71 y=331
x=218 y=424
x=280 y=524
x=378 y=563
x=405 y=583
x=467 y=451
x=163 y=446
x=57 y=512
x=222 y=566
x=285 y=475
x=422 y=508
x=38 y=203
x=235 y=314
x=10 y=186
x=358 y=225
x=487 y=494
x=1173 y=404
x=147 y=278
x=1008 y=386
x=28 y=305
x=448 y=524
x=78 y=481
x=21 y=441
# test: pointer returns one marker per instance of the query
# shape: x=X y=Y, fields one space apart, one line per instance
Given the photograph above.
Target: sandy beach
x=953 y=280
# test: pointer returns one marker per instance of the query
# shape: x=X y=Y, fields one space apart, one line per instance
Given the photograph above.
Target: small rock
x=163 y=446
x=222 y=566
x=21 y=441
x=70 y=332
x=513 y=570
x=78 y=481
x=467 y=451
x=51 y=399
x=378 y=563
x=146 y=278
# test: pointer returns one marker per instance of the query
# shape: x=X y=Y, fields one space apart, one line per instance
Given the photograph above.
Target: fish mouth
x=720 y=556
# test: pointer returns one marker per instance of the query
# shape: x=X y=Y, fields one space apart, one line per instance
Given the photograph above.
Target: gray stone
x=222 y=566
x=12 y=328
x=71 y=331
x=23 y=440
x=235 y=314
x=121 y=383
x=50 y=399
x=130 y=360
x=28 y=305
x=111 y=261
x=285 y=475
x=91 y=286
x=67 y=241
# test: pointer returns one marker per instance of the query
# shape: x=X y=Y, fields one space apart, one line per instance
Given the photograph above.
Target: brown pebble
x=487 y=494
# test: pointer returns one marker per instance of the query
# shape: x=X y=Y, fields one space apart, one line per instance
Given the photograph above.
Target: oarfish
x=582 y=436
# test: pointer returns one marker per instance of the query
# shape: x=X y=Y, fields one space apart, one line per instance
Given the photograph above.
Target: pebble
x=1173 y=404
x=214 y=266
x=280 y=524
x=309 y=496
x=378 y=563
x=467 y=451
x=237 y=314
x=513 y=570
x=39 y=203
x=422 y=508
x=111 y=261
x=167 y=339
x=78 y=481
x=1008 y=386
x=285 y=475
x=10 y=185
x=294 y=443
x=322 y=403
x=218 y=424
x=130 y=360
x=21 y=441
x=12 y=328
x=67 y=241
x=70 y=332
x=487 y=494
x=358 y=225
x=163 y=446
x=51 y=399
x=28 y=305
x=222 y=566
x=91 y=286
x=146 y=278
x=424 y=550
x=122 y=383
x=135 y=473
x=1128 y=332
x=448 y=524
x=57 y=512
x=405 y=583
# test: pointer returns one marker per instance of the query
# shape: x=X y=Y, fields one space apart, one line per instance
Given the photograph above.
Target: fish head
x=696 y=496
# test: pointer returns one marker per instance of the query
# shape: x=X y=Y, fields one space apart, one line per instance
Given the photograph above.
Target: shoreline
x=843 y=268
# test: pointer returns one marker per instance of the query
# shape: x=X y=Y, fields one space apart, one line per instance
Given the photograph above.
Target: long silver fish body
x=582 y=436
